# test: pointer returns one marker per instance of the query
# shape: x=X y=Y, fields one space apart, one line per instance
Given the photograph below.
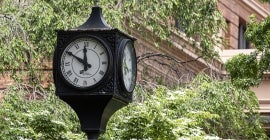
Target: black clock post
x=94 y=69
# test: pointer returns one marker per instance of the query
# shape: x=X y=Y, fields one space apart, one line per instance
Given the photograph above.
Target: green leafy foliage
x=266 y=1
x=244 y=70
x=259 y=34
x=27 y=34
x=236 y=107
x=248 y=70
x=203 y=110
x=27 y=113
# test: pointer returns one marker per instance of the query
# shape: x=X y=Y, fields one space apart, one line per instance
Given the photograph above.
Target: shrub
x=205 y=109
x=28 y=113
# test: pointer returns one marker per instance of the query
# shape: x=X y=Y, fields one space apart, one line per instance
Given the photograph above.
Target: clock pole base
x=92 y=135
x=94 y=111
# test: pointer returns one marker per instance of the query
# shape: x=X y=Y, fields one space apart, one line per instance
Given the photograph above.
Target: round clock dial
x=128 y=65
x=84 y=62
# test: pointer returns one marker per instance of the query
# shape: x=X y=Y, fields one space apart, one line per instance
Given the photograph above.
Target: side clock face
x=84 y=62
x=128 y=64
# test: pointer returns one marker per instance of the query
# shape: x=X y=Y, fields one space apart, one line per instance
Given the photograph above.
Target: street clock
x=95 y=69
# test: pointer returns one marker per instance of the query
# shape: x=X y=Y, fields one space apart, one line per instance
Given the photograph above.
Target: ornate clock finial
x=95 y=21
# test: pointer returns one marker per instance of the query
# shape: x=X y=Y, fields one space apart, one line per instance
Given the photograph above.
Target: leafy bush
x=27 y=113
x=164 y=115
x=244 y=70
x=206 y=109
x=248 y=69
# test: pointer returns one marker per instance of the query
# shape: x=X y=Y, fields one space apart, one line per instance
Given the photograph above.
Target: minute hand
x=85 y=59
x=79 y=59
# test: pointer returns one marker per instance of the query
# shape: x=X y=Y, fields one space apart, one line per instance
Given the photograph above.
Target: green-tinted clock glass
x=129 y=67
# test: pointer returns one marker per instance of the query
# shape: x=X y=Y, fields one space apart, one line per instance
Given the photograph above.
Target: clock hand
x=79 y=59
x=85 y=64
x=126 y=70
x=81 y=71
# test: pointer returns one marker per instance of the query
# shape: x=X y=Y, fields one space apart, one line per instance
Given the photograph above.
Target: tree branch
x=170 y=63
x=149 y=55
x=6 y=16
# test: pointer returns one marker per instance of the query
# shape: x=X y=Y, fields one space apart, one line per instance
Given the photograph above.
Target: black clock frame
x=121 y=49
x=106 y=75
x=96 y=105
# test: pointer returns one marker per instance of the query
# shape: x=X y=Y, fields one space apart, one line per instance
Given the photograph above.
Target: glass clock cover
x=84 y=62
x=128 y=65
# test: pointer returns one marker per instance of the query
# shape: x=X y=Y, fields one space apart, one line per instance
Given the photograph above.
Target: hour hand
x=126 y=70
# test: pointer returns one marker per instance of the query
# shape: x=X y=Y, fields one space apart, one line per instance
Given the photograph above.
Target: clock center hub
x=94 y=61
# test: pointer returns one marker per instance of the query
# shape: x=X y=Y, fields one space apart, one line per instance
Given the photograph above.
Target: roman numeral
x=85 y=83
x=101 y=53
x=95 y=80
x=69 y=73
x=75 y=80
x=86 y=44
x=101 y=72
x=77 y=46
x=104 y=63
x=67 y=64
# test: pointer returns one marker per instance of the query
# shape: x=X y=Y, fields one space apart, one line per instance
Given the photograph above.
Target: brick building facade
x=236 y=14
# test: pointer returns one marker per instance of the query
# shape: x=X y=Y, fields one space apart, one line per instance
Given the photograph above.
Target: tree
x=28 y=27
x=28 y=112
x=27 y=38
x=205 y=109
x=250 y=70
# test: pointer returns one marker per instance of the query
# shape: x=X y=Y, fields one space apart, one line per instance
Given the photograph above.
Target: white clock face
x=84 y=62
x=129 y=67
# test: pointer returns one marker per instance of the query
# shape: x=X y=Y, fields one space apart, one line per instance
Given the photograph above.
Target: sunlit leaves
x=258 y=33
x=35 y=22
x=248 y=70
x=26 y=113
x=244 y=70
x=204 y=109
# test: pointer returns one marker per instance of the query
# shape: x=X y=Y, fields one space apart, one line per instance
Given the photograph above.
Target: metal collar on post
x=96 y=2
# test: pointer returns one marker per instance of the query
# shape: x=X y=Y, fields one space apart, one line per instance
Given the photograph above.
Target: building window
x=179 y=25
x=227 y=34
x=242 y=42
